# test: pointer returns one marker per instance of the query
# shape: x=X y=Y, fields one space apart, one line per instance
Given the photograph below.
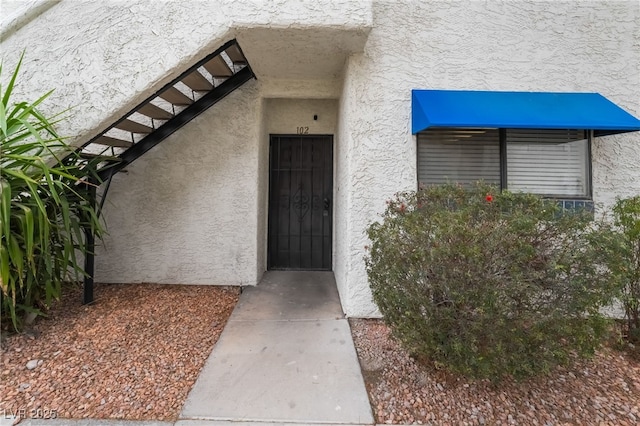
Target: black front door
x=300 y=202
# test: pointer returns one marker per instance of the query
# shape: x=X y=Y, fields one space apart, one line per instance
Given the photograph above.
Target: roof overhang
x=518 y=110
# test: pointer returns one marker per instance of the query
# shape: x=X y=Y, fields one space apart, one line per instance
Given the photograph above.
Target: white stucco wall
x=284 y=116
x=104 y=57
x=15 y=14
x=498 y=45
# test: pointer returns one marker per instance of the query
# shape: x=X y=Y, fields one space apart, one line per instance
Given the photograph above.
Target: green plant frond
x=28 y=230
x=19 y=175
x=12 y=143
x=60 y=152
x=5 y=207
x=45 y=206
x=4 y=269
x=3 y=121
x=34 y=131
x=20 y=158
x=28 y=152
x=66 y=217
x=25 y=110
x=12 y=81
x=49 y=123
x=16 y=255
x=35 y=195
x=72 y=173
x=16 y=135
x=51 y=185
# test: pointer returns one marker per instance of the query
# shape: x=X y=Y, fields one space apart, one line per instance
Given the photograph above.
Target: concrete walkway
x=285 y=356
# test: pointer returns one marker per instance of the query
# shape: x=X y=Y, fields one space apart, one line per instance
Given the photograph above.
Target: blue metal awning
x=519 y=110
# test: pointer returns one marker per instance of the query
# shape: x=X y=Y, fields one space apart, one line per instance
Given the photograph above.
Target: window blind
x=548 y=162
x=458 y=155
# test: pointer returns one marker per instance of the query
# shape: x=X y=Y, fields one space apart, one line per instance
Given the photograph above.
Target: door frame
x=269 y=210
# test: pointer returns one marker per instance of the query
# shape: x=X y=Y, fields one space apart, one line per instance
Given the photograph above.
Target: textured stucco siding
x=301 y=89
x=104 y=57
x=523 y=45
x=285 y=116
x=17 y=13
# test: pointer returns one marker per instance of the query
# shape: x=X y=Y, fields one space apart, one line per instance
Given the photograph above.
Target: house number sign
x=304 y=130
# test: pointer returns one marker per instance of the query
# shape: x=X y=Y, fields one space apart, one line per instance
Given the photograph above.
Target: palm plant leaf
x=44 y=205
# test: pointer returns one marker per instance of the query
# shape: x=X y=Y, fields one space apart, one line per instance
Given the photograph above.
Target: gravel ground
x=134 y=354
x=137 y=351
x=603 y=391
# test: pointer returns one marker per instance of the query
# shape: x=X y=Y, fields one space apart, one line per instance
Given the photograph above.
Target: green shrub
x=488 y=283
x=43 y=209
x=623 y=260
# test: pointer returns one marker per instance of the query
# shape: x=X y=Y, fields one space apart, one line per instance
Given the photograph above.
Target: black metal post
x=503 y=158
x=90 y=245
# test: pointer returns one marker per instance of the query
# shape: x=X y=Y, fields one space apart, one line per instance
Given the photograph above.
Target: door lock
x=327 y=204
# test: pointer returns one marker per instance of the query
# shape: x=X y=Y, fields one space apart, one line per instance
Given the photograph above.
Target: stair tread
x=218 y=68
x=176 y=97
x=133 y=127
x=153 y=111
x=197 y=82
x=236 y=55
x=114 y=142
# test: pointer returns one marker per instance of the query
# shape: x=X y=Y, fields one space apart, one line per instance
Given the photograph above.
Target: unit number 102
x=302 y=130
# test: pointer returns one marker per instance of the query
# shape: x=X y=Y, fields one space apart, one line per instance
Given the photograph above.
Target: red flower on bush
x=489 y=198
x=402 y=208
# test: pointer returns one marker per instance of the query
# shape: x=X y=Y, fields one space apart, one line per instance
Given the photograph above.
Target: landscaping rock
x=34 y=363
x=133 y=355
x=603 y=390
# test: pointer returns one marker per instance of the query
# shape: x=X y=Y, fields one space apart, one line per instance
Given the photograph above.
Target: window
x=552 y=163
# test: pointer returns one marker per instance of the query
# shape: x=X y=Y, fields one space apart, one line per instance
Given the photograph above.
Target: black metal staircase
x=156 y=118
